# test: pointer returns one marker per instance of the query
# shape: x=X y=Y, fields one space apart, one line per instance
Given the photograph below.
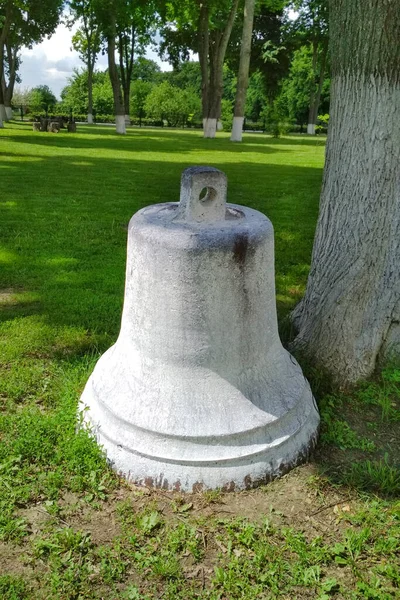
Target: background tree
x=107 y=13
x=86 y=41
x=140 y=90
x=243 y=73
x=23 y=22
x=185 y=75
x=6 y=10
x=255 y=97
x=146 y=70
x=204 y=27
x=10 y=78
x=75 y=95
x=350 y=315
x=169 y=103
x=135 y=28
x=311 y=27
x=41 y=98
x=296 y=89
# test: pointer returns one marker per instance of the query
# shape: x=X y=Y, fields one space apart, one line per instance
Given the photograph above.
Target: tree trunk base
x=3 y=114
x=311 y=129
x=127 y=120
x=120 y=126
x=237 y=129
x=210 y=128
x=9 y=113
x=90 y=119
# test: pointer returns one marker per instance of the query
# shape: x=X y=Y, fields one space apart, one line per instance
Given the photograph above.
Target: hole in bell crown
x=207 y=195
x=198 y=390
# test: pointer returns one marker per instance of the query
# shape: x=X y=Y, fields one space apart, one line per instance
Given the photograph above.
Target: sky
x=52 y=62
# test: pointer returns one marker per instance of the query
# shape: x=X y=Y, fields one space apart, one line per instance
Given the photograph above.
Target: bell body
x=198 y=391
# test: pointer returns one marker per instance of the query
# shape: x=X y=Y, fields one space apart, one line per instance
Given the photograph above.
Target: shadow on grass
x=63 y=252
x=161 y=140
x=65 y=226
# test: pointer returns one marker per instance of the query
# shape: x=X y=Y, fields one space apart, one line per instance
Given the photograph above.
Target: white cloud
x=53 y=61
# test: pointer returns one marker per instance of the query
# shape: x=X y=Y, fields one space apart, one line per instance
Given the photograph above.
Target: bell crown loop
x=203 y=194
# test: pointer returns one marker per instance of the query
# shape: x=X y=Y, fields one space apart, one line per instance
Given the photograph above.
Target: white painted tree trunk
x=311 y=128
x=9 y=113
x=90 y=119
x=220 y=125
x=120 y=124
x=3 y=114
x=210 y=128
x=350 y=316
x=237 y=129
x=127 y=120
x=1 y=123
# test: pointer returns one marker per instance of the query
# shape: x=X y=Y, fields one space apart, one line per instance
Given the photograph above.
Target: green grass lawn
x=69 y=528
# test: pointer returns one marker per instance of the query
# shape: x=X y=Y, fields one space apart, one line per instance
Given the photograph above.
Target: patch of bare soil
x=7 y=297
x=292 y=501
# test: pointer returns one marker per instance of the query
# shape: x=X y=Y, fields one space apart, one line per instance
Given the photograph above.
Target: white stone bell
x=198 y=391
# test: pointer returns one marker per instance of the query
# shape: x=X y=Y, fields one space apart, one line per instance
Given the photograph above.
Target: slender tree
x=243 y=74
x=311 y=27
x=135 y=28
x=12 y=63
x=349 y=318
x=107 y=12
x=213 y=44
x=86 y=41
x=6 y=12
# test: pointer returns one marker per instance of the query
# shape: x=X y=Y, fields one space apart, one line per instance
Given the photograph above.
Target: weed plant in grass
x=69 y=528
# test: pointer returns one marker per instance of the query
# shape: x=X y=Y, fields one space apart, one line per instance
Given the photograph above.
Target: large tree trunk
x=243 y=74
x=350 y=315
x=116 y=86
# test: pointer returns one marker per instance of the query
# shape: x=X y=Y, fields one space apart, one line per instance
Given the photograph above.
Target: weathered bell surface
x=198 y=391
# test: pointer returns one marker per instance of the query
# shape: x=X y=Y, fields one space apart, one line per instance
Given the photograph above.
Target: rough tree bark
x=212 y=50
x=243 y=74
x=316 y=93
x=350 y=316
x=115 y=81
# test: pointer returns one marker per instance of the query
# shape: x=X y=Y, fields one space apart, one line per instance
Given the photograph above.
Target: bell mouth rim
x=202 y=449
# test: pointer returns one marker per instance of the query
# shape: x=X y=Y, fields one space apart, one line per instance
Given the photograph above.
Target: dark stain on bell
x=240 y=249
